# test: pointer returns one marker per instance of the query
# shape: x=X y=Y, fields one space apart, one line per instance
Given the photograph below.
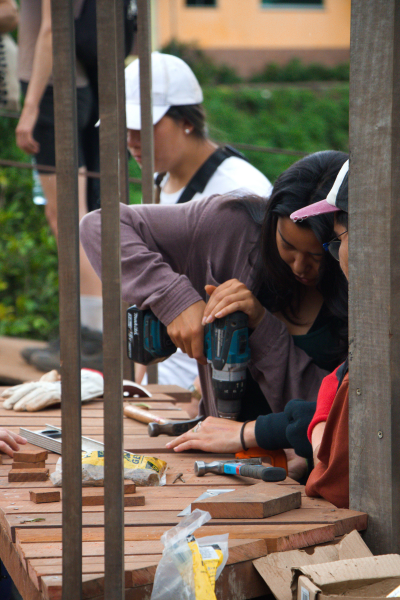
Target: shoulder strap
x=206 y=171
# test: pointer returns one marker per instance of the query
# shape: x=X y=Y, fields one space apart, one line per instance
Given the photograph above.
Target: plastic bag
x=142 y=470
x=189 y=567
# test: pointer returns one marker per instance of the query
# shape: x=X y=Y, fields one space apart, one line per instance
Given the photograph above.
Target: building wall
x=243 y=32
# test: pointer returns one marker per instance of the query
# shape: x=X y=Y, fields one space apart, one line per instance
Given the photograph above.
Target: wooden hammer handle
x=138 y=414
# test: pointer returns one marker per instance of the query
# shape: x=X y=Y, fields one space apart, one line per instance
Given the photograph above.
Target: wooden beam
x=114 y=189
x=374 y=269
x=65 y=116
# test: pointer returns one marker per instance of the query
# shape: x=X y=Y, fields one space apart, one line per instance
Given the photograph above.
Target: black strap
x=206 y=171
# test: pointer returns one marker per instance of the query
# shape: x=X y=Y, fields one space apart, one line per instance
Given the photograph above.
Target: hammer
x=172 y=427
x=246 y=468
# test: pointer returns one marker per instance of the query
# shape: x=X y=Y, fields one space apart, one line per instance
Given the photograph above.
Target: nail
x=203 y=321
x=209 y=319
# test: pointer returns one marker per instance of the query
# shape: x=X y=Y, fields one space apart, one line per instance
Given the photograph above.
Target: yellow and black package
x=142 y=470
x=190 y=566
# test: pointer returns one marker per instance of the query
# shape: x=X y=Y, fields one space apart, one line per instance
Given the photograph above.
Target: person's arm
x=9 y=441
x=41 y=71
x=316 y=439
x=8 y=15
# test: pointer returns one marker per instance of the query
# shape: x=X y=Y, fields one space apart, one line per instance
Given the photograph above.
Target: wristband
x=242 y=436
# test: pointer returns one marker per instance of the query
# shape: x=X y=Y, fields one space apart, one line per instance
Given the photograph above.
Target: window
x=292 y=3
x=201 y=2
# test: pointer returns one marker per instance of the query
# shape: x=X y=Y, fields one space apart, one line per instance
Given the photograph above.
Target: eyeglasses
x=334 y=245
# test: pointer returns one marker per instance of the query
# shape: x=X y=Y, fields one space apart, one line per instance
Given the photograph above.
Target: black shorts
x=44 y=129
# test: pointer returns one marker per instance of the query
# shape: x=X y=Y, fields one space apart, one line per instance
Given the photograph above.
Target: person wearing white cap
x=188 y=164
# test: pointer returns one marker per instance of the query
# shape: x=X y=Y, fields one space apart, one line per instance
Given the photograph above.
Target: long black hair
x=305 y=182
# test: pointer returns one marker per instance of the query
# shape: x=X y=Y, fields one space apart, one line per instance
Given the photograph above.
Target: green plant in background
x=28 y=252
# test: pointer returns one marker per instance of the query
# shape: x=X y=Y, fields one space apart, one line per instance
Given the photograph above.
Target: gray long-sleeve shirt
x=168 y=255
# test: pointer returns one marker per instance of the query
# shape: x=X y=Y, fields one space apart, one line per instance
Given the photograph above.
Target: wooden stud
x=30 y=456
x=255 y=501
x=374 y=270
x=39 y=497
x=28 y=465
x=28 y=474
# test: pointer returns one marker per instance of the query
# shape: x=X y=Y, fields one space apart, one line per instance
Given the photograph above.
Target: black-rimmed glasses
x=333 y=246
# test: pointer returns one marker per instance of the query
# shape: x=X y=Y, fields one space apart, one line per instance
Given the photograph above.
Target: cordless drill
x=226 y=346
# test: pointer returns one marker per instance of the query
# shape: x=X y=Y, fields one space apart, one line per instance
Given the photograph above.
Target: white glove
x=37 y=395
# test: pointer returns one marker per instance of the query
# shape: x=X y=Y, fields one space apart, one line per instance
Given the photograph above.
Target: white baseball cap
x=173 y=84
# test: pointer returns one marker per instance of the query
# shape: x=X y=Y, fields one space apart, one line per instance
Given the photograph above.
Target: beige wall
x=246 y=25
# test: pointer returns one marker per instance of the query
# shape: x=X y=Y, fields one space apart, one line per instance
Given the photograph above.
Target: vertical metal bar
x=65 y=113
x=113 y=169
x=146 y=110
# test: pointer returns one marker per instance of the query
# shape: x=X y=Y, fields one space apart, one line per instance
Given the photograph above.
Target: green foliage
x=295 y=70
x=287 y=117
x=28 y=252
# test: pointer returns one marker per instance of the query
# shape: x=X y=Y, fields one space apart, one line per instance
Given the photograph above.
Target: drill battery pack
x=147 y=338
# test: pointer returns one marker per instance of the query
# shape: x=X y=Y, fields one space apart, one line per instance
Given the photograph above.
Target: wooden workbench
x=31 y=551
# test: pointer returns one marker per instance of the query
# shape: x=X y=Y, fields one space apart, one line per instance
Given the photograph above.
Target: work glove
x=37 y=395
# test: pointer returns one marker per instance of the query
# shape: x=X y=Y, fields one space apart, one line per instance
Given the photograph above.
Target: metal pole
x=65 y=114
x=113 y=183
x=146 y=110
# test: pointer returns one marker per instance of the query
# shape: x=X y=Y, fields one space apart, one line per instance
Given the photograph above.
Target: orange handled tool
x=278 y=457
x=138 y=414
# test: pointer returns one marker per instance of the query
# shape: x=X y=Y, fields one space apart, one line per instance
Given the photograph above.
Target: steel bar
x=65 y=113
x=114 y=189
x=146 y=113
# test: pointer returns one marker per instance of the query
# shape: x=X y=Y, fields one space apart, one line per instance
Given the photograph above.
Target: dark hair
x=193 y=114
x=342 y=218
x=305 y=182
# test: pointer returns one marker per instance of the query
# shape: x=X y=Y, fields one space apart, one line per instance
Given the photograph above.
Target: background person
x=189 y=165
x=35 y=135
x=170 y=253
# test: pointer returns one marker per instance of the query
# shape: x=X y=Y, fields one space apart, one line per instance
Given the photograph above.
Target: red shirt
x=326 y=396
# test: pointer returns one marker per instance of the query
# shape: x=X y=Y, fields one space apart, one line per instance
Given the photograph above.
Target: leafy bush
x=295 y=70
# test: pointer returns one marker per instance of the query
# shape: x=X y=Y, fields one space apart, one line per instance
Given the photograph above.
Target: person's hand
x=187 y=333
x=230 y=297
x=297 y=466
x=10 y=441
x=221 y=436
x=24 y=130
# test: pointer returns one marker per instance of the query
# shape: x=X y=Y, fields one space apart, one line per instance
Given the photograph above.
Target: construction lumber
x=40 y=497
x=28 y=475
x=30 y=455
x=28 y=465
x=93 y=497
x=255 y=501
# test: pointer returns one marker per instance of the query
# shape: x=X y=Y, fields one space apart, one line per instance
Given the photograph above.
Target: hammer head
x=217 y=466
x=172 y=428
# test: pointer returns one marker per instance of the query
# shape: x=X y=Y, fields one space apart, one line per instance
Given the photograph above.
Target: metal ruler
x=50 y=439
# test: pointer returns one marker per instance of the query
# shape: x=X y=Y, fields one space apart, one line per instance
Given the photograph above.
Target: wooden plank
x=256 y=501
x=28 y=465
x=98 y=500
x=41 y=497
x=177 y=392
x=28 y=474
x=30 y=456
x=374 y=269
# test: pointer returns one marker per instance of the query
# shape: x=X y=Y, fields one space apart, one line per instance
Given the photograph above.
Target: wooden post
x=113 y=170
x=65 y=113
x=375 y=269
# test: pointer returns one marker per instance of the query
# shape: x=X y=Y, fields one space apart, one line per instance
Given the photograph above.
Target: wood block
x=30 y=455
x=28 y=474
x=28 y=465
x=93 y=497
x=129 y=488
x=39 y=497
x=255 y=501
